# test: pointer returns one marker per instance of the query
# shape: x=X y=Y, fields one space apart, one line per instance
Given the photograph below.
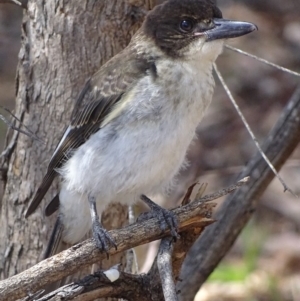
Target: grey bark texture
x=63 y=43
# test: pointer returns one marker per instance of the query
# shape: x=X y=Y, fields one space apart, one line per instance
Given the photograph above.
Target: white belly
x=139 y=152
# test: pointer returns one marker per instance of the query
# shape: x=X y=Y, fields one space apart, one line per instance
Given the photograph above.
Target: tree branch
x=127 y=286
x=239 y=207
x=197 y=213
x=98 y=285
x=164 y=264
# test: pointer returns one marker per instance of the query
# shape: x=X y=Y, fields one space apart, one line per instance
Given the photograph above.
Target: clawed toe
x=102 y=238
x=167 y=219
x=170 y=219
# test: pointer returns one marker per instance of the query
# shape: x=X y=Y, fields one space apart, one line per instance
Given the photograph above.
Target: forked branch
x=193 y=215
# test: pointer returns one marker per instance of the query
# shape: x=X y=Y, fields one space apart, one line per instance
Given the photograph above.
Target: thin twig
x=263 y=60
x=186 y=199
x=7 y=151
x=221 y=192
x=16 y=2
x=28 y=133
x=286 y=188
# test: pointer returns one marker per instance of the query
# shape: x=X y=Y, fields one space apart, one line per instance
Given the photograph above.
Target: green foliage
x=252 y=238
x=227 y=272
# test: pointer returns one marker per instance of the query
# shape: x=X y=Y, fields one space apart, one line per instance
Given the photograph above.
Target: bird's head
x=186 y=28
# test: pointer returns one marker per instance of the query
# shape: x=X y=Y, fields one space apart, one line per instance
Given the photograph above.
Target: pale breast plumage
x=141 y=149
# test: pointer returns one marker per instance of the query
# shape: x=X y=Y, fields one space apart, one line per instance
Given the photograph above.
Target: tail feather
x=47 y=181
x=56 y=244
x=52 y=206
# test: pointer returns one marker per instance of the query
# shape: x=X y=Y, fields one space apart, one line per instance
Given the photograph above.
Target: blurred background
x=10 y=39
x=264 y=263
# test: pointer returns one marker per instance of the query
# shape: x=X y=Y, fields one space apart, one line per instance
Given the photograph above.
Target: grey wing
x=99 y=95
x=84 y=125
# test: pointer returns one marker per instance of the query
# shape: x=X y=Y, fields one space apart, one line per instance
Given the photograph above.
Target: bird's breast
x=142 y=148
x=181 y=92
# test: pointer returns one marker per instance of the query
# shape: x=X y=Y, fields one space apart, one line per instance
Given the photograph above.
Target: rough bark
x=63 y=42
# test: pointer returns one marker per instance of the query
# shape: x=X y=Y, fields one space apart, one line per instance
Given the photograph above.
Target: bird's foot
x=167 y=219
x=102 y=238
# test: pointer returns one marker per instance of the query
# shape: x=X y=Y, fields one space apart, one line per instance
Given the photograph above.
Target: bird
x=134 y=120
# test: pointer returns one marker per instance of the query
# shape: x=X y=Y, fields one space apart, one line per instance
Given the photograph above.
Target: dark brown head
x=175 y=24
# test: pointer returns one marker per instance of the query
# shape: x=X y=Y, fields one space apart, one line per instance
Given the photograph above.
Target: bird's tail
x=56 y=244
x=47 y=181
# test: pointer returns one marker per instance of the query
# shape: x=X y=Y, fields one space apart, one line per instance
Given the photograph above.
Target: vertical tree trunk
x=63 y=43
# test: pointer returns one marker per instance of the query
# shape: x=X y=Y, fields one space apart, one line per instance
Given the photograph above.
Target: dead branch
x=128 y=286
x=164 y=264
x=98 y=285
x=197 y=213
x=239 y=207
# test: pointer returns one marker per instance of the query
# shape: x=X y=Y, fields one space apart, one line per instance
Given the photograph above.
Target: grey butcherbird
x=135 y=119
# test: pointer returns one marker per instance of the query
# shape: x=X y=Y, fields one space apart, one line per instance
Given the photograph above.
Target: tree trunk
x=63 y=43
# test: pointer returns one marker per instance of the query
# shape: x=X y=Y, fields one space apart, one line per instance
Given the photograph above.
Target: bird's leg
x=101 y=236
x=167 y=219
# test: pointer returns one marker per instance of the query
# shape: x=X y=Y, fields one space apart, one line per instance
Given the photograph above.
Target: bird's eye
x=186 y=25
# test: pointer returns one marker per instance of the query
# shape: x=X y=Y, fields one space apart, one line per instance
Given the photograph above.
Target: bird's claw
x=167 y=219
x=102 y=238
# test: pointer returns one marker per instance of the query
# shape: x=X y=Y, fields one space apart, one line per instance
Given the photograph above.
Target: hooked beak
x=227 y=29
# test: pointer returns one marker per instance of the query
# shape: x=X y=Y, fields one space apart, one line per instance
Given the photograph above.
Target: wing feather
x=95 y=102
